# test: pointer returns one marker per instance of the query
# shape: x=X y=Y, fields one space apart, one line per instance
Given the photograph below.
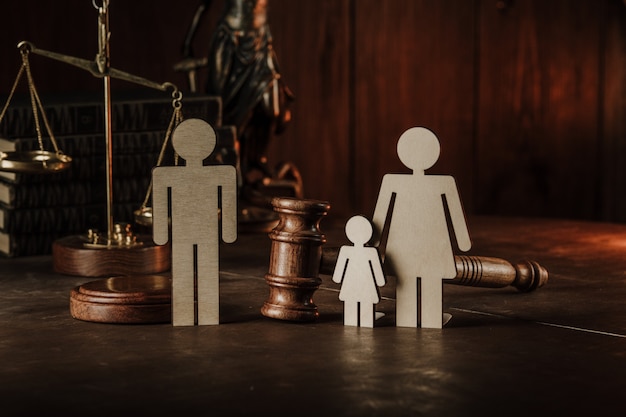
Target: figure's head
x=358 y=230
x=418 y=148
x=194 y=140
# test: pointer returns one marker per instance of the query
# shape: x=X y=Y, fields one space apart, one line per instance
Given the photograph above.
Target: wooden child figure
x=419 y=247
x=203 y=206
x=359 y=270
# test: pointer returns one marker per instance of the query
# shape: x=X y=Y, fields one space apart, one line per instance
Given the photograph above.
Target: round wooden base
x=139 y=299
x=71 y=256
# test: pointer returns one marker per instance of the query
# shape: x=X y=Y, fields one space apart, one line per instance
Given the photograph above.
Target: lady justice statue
x=243 y=70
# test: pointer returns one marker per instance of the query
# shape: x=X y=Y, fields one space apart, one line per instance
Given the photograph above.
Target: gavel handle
x=483 y=271
x=475 y=271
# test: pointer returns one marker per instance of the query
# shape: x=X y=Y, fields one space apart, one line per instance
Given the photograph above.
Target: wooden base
x=71 y=256
x=129 y=299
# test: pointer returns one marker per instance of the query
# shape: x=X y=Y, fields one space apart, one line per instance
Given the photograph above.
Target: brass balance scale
x=118 y=251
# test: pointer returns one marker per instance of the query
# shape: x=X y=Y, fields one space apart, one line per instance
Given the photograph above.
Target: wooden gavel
x=298 y=257
x=475 y=271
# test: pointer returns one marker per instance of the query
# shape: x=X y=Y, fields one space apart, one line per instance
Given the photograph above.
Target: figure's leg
x=432 y=303
x=367 y=315
x=208 y=284
x=183 y=303
x=350 y=313
x=406 y=302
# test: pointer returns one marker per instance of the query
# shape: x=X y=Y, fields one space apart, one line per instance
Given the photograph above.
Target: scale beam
x=93 y=68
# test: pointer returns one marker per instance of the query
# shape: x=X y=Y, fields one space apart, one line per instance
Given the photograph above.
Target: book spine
x=133 y=154
x=90 y=144
x=31 y=244
x=92 y=191
x=86 y=168
x=87 y=117
x=65 y=220
x=32 y=231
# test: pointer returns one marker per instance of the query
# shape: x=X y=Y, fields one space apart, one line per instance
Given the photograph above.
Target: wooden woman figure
x=419 y=248
x=359 y=270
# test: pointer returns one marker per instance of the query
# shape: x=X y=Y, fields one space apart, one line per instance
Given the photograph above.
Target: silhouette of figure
x=243 y=70
x=197 y=197
x=360 y=272
x=418 y=240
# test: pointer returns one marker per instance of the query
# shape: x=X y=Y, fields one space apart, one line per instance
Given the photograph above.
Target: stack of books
x=36 y=209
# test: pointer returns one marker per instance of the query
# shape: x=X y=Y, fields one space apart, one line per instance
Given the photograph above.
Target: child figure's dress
x=359 y=284
x=360 y=272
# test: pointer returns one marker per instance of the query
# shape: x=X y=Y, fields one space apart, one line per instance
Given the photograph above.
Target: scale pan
x=34 y=162
x=143 y=216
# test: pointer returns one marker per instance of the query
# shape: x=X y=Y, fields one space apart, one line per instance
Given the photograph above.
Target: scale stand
x=118 y=251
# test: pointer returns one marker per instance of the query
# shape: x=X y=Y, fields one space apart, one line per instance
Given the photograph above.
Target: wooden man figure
x=360 y=272
x=200 y=196
x=418 y=243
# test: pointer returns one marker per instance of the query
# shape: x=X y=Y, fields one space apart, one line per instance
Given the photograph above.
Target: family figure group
x=417 y=249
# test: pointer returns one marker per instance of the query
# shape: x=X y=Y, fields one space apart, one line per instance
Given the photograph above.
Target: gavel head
x=295 y=255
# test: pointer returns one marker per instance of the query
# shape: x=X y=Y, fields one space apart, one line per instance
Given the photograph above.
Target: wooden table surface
x=560 y=350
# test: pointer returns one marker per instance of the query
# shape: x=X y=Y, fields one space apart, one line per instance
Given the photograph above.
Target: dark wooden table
x=558 y=351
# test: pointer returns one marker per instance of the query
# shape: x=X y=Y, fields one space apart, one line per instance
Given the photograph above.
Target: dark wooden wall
x=527 y=96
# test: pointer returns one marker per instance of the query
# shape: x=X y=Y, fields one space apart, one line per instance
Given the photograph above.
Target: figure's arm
x=457 y=216
x=340 y=266
x=193 y=28
x=229 y=203
x=160 y=203
x=380 y=212
x=376 y=267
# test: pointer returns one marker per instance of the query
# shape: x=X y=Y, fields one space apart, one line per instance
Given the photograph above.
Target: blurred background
x=526 y=96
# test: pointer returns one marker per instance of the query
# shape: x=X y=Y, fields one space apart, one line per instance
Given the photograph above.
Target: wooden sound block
x=71 y=256
x=126 y=299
